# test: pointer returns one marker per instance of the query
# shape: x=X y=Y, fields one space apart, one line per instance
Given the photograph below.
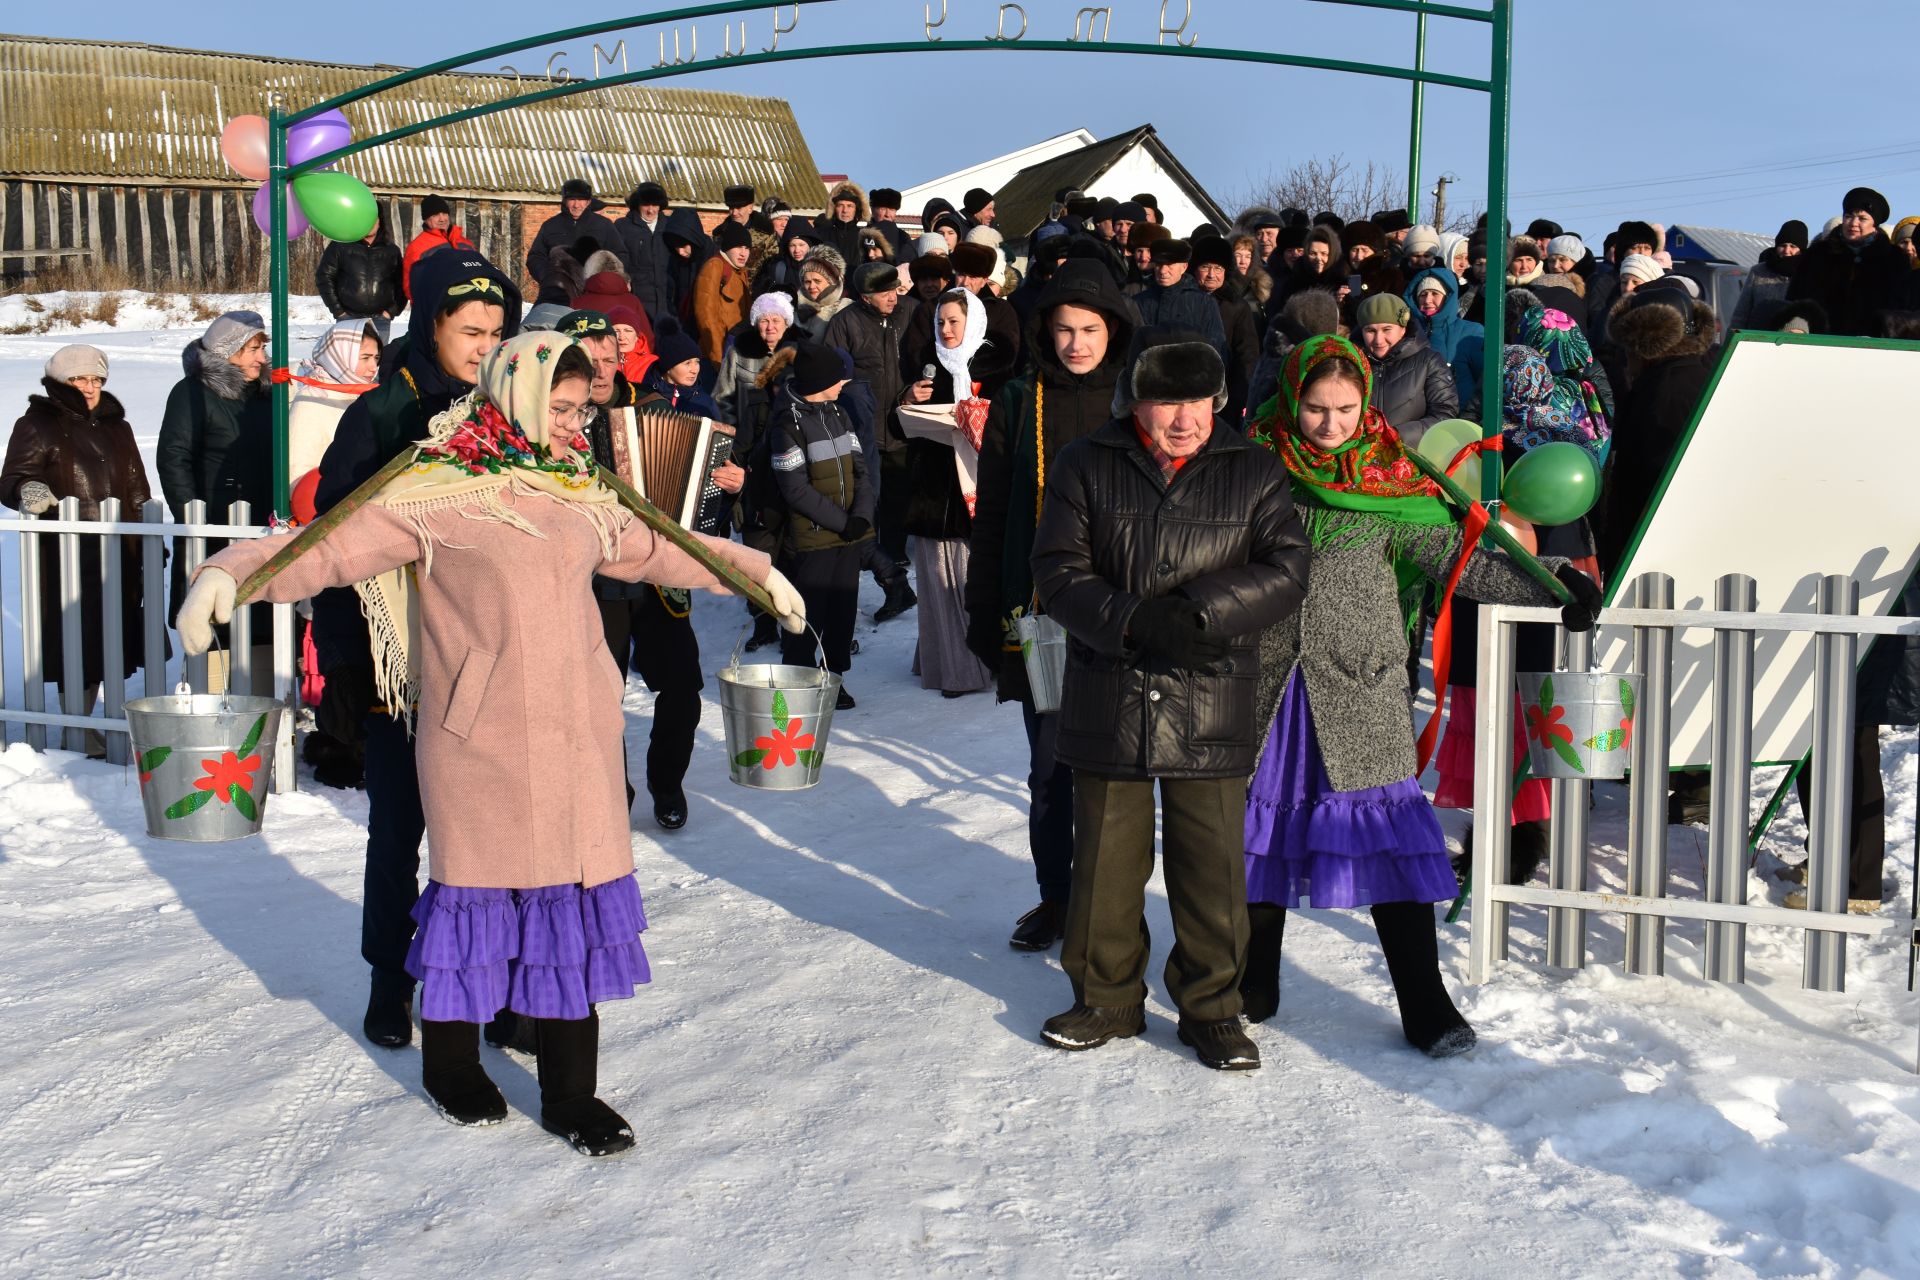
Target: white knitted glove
x=210 y=601
x=35 y=497
x=786 y=601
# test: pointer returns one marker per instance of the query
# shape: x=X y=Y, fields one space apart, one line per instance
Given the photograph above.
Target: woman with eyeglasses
x=74 y=442
x=487 y=546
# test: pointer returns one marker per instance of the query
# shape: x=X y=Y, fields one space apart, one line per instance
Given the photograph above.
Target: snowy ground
x=836 y=1071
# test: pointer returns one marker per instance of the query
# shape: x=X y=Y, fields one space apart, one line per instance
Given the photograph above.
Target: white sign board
x=1801 y=463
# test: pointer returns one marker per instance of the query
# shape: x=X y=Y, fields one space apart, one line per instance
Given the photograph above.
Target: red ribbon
x=1478 y=518
x=354 y=388
x=1474 y=448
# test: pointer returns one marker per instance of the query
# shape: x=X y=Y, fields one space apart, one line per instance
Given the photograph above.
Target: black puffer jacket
x=1855 y=282
x=562 y=229
x=357 y=279
x=649 y=264
x=1186 y=306
x=1112 y=534
x=1414 y=387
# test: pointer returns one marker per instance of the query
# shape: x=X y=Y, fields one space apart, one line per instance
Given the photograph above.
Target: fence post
x=1647 y=800
x=286 y=691
x=33 y=674
x=1567 y=861
x=192 y=550
x=1492 y=794
x=1834 y=655
x=113 y=638
x=153 y=590
x=73 y=630
x=1726 y=949
x=240 y=631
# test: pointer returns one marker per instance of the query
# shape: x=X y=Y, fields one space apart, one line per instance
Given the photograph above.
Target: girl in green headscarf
x=1335 y=812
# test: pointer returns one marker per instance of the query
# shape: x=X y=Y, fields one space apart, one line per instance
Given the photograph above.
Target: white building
x=1121 y=167
x=989 y=175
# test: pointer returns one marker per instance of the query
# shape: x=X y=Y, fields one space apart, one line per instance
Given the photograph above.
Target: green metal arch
x=1496 y=86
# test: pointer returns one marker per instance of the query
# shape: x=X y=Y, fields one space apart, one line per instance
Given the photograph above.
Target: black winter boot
x=1089 y=1026
x=1409 y=939
x=900 y=598
x=569 y=1072
x=1527 y=850
x=389 y=1019
x=510 y=1030
x=451 y=1071
x=1220 y=1043
x=1040 y=928
x=1260 y=980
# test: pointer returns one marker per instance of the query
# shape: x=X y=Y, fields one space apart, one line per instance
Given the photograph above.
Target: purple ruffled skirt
x=552 y=952
x=1336 y=848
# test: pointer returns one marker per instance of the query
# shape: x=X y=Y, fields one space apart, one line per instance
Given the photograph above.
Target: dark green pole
x=1416 y=127
x=1499 y=111
x=277 y=284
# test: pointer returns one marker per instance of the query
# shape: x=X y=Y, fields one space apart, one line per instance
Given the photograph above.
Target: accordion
x=669 y=458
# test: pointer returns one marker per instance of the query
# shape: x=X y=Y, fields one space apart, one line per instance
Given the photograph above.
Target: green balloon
x=1554 y=484
x=337 y=204
x=1442 y=444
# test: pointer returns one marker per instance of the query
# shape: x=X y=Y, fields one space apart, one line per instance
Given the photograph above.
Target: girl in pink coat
x=475 y=567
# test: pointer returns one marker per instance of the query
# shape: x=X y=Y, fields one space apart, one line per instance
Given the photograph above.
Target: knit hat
x=1522 y=247
x=1793 y=232
x=875 y=277
x=1868 y=200
x=731 y=235
x=1391 y=220
x=585 y=324
x=1543 y=229
x=77 y=360
x=971 y=260
x=1422 y=239
x=1638 y=266
x=647 y=193
x=432 y=205
x=1129 y=211
x=1363 y=232
x=984 y=235
x=576 y=189
x=621 y=313
x=230 y=332
x=1567 y=246
x=931 y=242
x=884 y=198
x=1169 y=249
x=932 y=264
x=775 y=303
x=977 y=198
x=674 y=345
x=1631 y=233
x=815 y=369
x=1214 y=251
x=1170 y=366
x=1904 y=229
x=738 y=196
x=1381 y=308
x=824 y=259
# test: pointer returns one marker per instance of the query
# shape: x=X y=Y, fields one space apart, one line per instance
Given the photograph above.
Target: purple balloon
x=263 y=213
x=326 y=132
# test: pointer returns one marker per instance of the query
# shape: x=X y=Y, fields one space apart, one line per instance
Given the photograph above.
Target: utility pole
x=1440 y=202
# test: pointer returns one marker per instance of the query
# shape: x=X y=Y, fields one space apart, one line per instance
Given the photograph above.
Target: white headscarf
x=337 y=352
x=957 y=360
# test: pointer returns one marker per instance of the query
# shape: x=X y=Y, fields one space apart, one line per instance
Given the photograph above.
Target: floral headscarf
x=1370 y=472
x=1554 y=395
x=502 y=426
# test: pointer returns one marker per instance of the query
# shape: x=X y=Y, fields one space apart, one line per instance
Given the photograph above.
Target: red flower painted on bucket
x=783 y=745
x=227 y=772
x=1544 y=728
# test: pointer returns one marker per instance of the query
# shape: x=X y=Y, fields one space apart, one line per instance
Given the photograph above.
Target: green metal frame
x=281 y=175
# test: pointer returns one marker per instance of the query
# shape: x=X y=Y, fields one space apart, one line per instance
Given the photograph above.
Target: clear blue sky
x=1734 y=113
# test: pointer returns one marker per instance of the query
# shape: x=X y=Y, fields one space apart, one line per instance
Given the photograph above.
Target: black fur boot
x=1409 y=940
x=451 y=1071
x=1260 y=980
x=569 y=1073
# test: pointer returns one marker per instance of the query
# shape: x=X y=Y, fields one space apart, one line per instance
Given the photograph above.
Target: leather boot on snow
x=1090 y=1026
x=1040 y=928
x=389 y=1018
x=569 y=1072
x=1220 y=1043
x=1409 y=941
x=900 y=598
x=454 y=1079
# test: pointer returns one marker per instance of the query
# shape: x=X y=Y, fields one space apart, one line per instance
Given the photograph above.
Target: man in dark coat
x=885 y=208
x=579 y=216
x=1165 y=546
x=1212 y=270
x=1854 y=272
x=643 y=248
x=1173 y=301
x=1079 y=333
x=846 y=210
x=361 y=278
x=462 y=308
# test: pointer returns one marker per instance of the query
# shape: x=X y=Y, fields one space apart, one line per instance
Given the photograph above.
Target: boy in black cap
x=579 y=216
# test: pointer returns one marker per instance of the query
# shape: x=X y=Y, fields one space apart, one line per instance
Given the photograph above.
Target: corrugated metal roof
x=83 y=110
x=1717 y=244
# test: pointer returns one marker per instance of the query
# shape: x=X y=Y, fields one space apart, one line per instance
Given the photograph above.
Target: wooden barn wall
x=193 y=239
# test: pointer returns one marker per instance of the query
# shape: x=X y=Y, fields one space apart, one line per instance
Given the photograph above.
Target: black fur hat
x=576 y=189
x=1292 y=217
x=1391 y=221
x=1327 y=218
x=1543 y=229
x=1634 y=232
x=1866 y=198
x=737 y=197
x=647 y=193
x=884 y=198
x=1172 y=366
x=1213 y=251
x=1169 y=249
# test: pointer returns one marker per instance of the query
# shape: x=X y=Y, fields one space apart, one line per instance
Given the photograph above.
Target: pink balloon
x=243 y=144
x=327 y=132
x=263 y=214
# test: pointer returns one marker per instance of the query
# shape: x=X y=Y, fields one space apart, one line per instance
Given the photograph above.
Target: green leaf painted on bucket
x=253 y=737
x=809 y=758
x=1546 y=695
x=1626 y=698
x=1566 y=753
x=1611 y=740
x=189 y=804
x=151 y=760
x=243 y=801
x=780 y=716
x=750 y=757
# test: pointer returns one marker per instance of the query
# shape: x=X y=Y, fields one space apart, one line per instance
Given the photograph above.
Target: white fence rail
x=69 y=719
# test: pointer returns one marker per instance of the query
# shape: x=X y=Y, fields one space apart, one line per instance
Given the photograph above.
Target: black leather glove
x=984 y=640
x=856 y=529
x=1175 y=629
x=1579 y=615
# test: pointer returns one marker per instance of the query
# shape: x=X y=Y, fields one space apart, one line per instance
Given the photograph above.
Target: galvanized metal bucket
x=206 y=762
x=776 y=719
x=1043 y=647
x=1579 y=724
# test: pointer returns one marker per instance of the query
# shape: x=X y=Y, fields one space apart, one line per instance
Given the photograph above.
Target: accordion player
x=669 y=458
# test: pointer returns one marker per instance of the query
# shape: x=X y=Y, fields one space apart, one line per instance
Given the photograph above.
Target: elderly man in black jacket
x=579 y=216
x=1174 y=301
x=642 y=248
x=1166 y=544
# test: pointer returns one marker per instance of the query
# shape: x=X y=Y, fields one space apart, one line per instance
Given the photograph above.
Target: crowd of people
x=1190 y=450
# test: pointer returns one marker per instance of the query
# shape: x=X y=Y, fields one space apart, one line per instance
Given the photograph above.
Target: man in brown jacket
x=722 y=290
